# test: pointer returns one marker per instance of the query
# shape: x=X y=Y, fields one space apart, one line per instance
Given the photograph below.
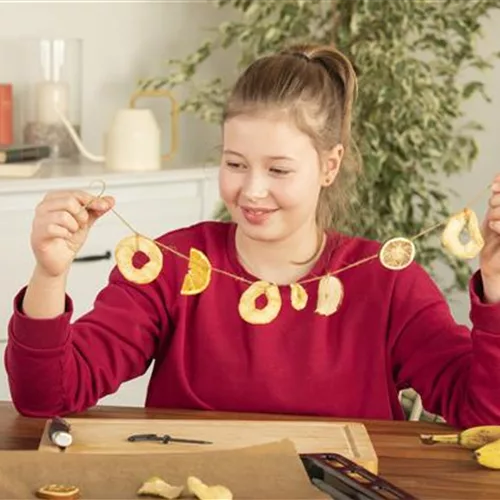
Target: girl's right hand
x=61 y=225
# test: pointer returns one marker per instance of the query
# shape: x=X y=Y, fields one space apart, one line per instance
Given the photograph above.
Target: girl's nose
x=255 y=187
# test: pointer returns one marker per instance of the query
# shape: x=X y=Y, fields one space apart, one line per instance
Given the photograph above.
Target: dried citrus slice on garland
x=466 y=221
x=124 y=254
x=330 y=295
x=199 y=273
x=247 y=306
x=397 y=253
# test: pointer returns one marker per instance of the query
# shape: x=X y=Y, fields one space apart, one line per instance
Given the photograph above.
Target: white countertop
x=53 y=174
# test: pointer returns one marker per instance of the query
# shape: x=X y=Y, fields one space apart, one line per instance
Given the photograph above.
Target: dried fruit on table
x=330 y=295
x=199 y=273
x=298 y=296
x=397 y=253
x=155 y=486
x=248 y=303
x=467 y=221
x=124 y=254
x=205 y=492
x=58 y=491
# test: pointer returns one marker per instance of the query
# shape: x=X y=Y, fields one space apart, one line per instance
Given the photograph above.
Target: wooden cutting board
x=109 y=435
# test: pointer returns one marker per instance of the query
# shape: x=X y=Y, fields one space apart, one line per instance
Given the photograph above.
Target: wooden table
x=428 y=472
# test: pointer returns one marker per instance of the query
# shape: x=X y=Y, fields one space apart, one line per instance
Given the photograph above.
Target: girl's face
x=270 y=177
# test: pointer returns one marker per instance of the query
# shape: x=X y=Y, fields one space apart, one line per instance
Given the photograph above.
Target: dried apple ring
x=397 y=253
x=124 y=254
x=298 y=296
x=203 y=491
x=330 y=295
x=157 y=487
x=247 y=305
x=465 y=220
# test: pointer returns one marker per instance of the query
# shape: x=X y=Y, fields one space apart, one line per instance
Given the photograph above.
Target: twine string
x=305 y=281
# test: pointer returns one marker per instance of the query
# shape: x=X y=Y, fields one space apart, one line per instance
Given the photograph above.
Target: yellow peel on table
x=199 y=273
x=204 y=492
x=157 y=487
x=450 y=238
x=330 y=295
x=124 y=254
x=247 y=305
x=298 y=296
x=397 y=253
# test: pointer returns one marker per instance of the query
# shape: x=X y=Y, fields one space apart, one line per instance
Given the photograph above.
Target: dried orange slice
x=58 y=491
x=199 y=273
x=124 y=254
x=330 y=295
x=247 y=305
x=397 y=253
x=298 y=296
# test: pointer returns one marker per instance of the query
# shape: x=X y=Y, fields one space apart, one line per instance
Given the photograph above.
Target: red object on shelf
x=6 y=115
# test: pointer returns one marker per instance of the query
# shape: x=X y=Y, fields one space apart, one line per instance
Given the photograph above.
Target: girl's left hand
x=489 y=258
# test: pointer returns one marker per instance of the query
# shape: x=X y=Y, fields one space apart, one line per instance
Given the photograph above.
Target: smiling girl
x=285 y=176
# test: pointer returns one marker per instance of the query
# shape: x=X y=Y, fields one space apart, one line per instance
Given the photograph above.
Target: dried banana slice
x=465 y=220
x=397 y=253
x=247 y=307
x=124 y=254
x=157 y=487
x=204 y=492
x=330 y=295
x=298 y=296
x=58 y=491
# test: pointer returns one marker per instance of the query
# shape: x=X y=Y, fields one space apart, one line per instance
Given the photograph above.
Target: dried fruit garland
x=395 y=254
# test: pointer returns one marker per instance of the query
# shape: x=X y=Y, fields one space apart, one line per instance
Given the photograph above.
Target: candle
x=49 y=95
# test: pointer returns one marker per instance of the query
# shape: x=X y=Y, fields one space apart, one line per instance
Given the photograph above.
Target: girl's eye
x=279 y=171
x=232 y=164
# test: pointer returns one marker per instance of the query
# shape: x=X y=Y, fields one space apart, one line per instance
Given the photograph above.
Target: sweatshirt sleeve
x=456 y=370
x=55 y=367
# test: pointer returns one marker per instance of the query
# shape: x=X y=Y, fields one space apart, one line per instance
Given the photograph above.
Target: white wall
x=126 y=41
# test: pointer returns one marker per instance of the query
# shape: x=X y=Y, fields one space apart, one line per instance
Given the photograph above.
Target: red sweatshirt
x=393 y=330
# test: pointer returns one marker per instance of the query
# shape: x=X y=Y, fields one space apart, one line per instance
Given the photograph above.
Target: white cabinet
x=153 y=203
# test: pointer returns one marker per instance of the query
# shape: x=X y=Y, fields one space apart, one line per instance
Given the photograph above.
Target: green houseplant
x=409 y=123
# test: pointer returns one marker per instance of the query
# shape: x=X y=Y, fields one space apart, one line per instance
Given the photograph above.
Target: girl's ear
x=332 y=165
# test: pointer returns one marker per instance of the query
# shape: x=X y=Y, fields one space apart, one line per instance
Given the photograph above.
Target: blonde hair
x=317 y=86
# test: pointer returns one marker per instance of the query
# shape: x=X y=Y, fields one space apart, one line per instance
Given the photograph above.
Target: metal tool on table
x=165 y=439
x=343 y=479
x=59 y=432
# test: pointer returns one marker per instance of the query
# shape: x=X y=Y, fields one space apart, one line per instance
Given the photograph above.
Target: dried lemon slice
x=450 y=238
x=124 y=254
x=157 y=487
x=397 y=253
x=298 y=296
x=247 y=307
x=330 y=295
x=199 y=272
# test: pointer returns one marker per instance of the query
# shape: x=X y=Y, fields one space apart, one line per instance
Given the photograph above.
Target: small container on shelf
x=54 y=86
